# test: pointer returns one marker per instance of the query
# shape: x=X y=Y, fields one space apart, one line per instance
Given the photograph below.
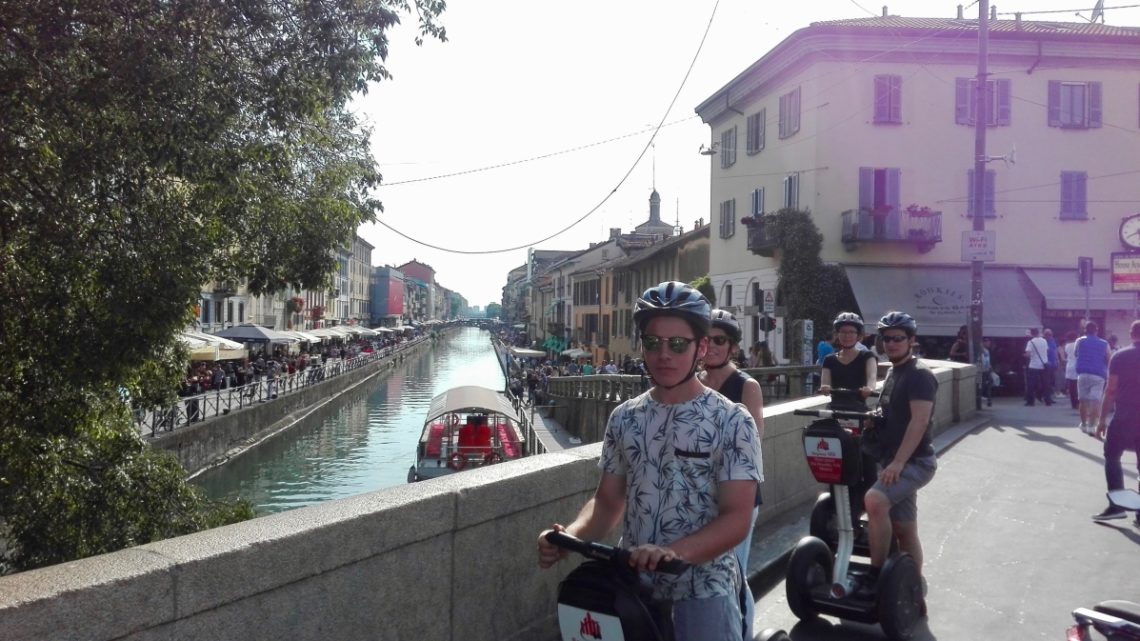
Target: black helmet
x=847 y=318
x=726 y=321
x=672 y=298
x=898 y=320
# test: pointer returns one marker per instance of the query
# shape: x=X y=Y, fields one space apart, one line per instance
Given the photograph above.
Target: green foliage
x=494 y=310
x=703 y=284
x=808 y=288
x=147 y=149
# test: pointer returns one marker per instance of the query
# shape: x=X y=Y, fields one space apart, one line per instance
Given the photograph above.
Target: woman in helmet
x=680 y=464
x=851 y=366
x=721 y=374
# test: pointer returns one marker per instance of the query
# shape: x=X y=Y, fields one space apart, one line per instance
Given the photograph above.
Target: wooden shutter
x=1002 y=87
x=1095 y=108
x=866 y=202
x=882 y=99
x=961 y=101
x=894 y=217
x=896 y=99
x=1054 y=109
x=991 y=178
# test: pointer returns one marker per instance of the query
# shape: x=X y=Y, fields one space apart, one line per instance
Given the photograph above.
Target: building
x=359 y=282
x=869 y=125
x=387 y=296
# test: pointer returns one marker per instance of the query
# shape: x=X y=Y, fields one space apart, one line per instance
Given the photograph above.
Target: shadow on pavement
x=827 y=630
x=1128 y=529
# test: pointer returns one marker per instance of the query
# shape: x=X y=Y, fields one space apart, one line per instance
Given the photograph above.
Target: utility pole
x=981 y=105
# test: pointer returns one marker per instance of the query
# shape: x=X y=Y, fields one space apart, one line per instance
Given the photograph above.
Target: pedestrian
x=1050 y=383
x=680 y=464
x=1035 y=354
x=1071 y=369
x=722 y=375
x=1092 y=354
x=1122 y=400
x=903 y=446
x=987 y=375
x=960 y=350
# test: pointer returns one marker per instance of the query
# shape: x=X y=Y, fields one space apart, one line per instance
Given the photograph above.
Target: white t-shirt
x=1038 y=351
x=1071 y=360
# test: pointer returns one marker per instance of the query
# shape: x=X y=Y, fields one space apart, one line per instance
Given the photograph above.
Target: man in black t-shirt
x=905 y=453
x=1122 y=393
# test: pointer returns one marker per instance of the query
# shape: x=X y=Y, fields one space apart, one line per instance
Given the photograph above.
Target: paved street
x=1010 y=549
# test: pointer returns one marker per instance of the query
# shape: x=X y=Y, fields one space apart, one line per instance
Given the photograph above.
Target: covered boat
x=466 y=427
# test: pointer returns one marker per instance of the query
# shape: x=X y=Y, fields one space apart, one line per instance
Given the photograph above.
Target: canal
x=368 y=442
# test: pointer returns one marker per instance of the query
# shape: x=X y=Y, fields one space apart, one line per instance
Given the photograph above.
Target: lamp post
x=979 y=196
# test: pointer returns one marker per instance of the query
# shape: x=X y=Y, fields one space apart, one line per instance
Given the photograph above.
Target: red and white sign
x=1125 y=272
x=577 y=624
x=825 y=458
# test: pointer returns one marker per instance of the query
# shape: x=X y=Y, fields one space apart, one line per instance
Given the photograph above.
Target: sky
x=531 y=126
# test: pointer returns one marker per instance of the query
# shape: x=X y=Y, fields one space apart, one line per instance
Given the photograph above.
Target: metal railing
x=782 y=383
x=221 y=402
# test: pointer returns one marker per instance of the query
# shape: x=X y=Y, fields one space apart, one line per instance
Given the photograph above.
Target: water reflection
x=366 y=441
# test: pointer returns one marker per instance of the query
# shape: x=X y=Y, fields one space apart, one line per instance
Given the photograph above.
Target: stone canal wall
x=200 y=446
x=448 y=560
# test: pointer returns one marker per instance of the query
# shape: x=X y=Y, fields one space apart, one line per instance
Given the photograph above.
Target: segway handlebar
x=604 y=552
x=833 y=414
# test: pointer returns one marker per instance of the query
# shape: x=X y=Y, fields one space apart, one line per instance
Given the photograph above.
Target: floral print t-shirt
x=673 y=457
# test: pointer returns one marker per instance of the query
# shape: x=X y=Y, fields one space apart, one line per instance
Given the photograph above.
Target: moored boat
x=466 y=427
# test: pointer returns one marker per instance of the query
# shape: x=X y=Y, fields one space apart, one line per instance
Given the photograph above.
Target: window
x=757 y=201
x=792 y=192
x=790 y=113
x=1074 y=105
x=241 y=313
x=1074 y=202
x=728 y=218
x=727 y=302
x=755 y=131
x=728 y=148
x=879 y=189
x=888 y=99
x=205 y=312
x=991 y=177
x=998 y=99
x=217 y=311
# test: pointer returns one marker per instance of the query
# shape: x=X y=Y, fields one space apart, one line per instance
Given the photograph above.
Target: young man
x=1123 y=395
x=1036 y=351
x=680 y=464
x=905 y=453
x=1092 y=354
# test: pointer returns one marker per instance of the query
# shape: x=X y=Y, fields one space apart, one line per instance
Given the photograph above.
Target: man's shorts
x=1090 y=387
x=713 y=619
x=902 y=493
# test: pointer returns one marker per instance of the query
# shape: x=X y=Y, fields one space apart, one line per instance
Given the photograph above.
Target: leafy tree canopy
x=148 y=148
x=703 y=284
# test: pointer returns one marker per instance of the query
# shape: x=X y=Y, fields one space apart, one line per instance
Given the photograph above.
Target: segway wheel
x=808 y=568
x=773 y=635
x=900 y=603
x=822 y=525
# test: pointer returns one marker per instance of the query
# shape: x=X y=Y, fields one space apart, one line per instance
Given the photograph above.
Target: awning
x=939 y=298
x=1060 y=289
x=523 y=352
x=575 y=353
x=469 y=398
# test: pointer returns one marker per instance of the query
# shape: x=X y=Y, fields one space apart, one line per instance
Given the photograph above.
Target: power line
x=1031 y=13
x=613 y=191
x=534 y=158
x=869 y=12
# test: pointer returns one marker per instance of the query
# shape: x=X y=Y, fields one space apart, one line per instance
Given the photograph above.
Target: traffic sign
x=769 y=301
x=1125 y=272
x=979 y=245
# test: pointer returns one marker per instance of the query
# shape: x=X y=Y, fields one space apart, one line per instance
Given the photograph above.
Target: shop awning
x=939 y=298
x=1060 y=289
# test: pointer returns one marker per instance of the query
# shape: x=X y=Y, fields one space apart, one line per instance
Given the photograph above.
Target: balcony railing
x=761 y=240
x=861 y=226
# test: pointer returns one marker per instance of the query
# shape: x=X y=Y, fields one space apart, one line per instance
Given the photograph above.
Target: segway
x=604 y=598
x=824 y=523
x=822 y=581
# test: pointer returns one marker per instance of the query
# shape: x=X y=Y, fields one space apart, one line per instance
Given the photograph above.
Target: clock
x=1130 y=232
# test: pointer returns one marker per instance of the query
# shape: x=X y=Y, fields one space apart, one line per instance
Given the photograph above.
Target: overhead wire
x=609 y=195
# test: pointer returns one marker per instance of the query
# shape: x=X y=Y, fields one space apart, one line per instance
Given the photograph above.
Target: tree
x=703 y=284
x=148 y=148
x=808 y=288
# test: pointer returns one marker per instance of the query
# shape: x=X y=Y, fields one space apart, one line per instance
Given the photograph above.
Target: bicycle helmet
x=724 y=320
x=848 y=318
x=898 y=320
x=672 y=298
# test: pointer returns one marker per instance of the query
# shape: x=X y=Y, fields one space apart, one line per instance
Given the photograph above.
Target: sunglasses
x=677 y=344
x=895 y=339
x=720 y=340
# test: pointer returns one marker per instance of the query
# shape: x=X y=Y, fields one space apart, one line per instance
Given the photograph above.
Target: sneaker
x=1110 y=514
x=1084 y=428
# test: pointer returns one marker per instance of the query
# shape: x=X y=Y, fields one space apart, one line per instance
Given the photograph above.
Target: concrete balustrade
x=450 y=560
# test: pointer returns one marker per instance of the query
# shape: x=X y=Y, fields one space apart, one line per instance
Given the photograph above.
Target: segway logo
x=821 y=445
x=825 y=458
x=590 y=627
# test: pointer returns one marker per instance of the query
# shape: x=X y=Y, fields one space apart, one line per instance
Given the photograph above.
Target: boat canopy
x=470 y=398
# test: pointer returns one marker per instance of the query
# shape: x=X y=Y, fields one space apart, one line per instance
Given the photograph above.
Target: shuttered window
x=888 y=99
x=755 y=132
x=991 y=178
x=728 y=218
x=1074 y=105
x=728 y=148
x=998 y=101
x=757 y=201
x=790 y=113
x=1074 y=199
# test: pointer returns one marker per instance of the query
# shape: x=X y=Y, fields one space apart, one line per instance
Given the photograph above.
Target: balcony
x=923 y=229
x=761 y=240
x=224 y=288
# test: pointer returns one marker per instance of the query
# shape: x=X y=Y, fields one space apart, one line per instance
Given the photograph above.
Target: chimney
x=1017 y=19
x=993 y=12
x=959 y=12
x=615 y=232
x=885 y=12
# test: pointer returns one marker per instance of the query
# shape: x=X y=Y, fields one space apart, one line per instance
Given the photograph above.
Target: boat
x=467 y=427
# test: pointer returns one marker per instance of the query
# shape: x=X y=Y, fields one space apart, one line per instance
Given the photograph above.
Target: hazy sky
x=547 y=106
